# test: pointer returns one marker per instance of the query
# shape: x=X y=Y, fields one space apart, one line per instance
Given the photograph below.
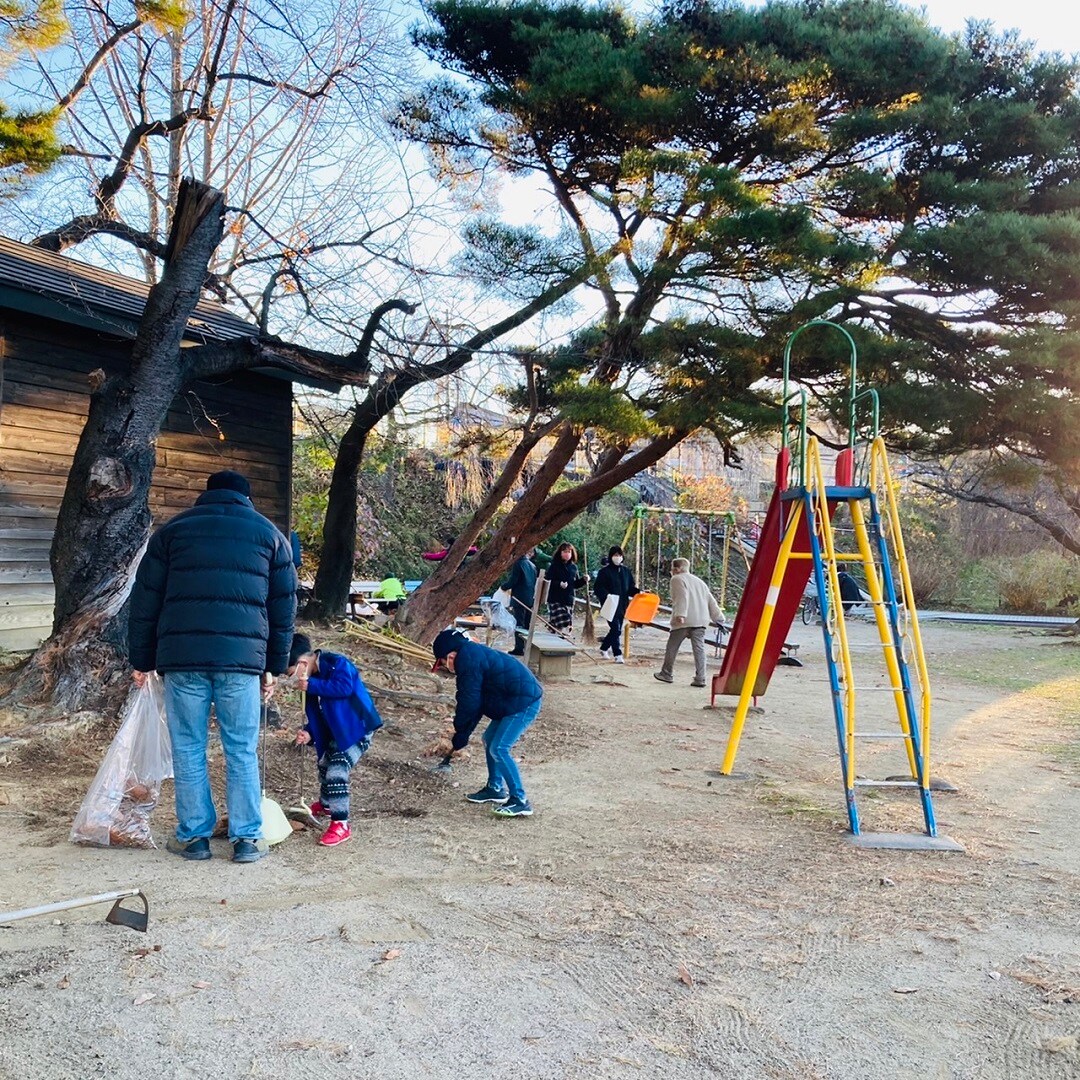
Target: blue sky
x=1054 y=25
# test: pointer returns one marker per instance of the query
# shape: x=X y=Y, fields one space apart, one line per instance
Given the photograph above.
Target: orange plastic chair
x=642 y=608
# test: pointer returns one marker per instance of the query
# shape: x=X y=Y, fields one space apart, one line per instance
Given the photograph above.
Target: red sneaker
x=338 y=833
x=318 y=810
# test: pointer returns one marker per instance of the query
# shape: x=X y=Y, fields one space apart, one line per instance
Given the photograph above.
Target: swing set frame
x=732 y=539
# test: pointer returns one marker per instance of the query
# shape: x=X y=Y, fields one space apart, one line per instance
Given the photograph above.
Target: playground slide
x=748 y=617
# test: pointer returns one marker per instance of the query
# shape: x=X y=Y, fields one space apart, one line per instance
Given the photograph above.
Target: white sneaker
x=619 y=660
x=605 y=652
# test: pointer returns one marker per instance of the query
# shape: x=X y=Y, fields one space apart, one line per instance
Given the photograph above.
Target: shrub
x=1038 y=583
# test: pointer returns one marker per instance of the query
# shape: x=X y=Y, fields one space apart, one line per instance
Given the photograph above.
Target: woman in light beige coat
x=693 y=607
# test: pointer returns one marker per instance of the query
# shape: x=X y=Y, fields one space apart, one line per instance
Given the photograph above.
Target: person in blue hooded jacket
x=341 y=719
x=492 y=684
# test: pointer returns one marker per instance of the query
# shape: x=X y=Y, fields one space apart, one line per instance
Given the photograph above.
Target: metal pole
x=709 y=558
x=67 y=905
x=659 y=539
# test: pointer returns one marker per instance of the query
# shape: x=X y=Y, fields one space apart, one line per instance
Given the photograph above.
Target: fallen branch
x=383 y=640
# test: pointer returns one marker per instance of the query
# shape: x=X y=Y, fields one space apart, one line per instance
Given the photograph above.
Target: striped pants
x=334 y=768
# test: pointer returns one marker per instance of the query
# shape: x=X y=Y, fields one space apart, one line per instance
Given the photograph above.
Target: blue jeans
x=188 y=695
x=499 y=737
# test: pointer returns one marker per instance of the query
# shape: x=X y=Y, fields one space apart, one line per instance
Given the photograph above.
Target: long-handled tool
x=118 y=916
x=276 y=825
x=301 y=811
x=588 y=629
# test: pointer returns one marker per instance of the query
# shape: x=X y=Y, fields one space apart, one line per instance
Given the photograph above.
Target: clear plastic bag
x=117 y=808
x=499 y=617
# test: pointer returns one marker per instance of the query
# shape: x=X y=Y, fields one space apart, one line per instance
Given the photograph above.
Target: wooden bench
x=788 y=649
x=549 y=654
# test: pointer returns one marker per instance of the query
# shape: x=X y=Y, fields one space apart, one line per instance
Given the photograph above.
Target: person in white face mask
x=615 y=580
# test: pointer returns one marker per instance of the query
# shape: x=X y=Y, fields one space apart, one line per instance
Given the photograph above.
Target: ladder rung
x=880 y=735
x=887 y=783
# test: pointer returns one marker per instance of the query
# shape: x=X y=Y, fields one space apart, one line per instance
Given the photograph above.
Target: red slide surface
x=732 y=672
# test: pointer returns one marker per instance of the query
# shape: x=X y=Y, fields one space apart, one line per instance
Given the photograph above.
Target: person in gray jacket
x=693 y=607
x=212 y=609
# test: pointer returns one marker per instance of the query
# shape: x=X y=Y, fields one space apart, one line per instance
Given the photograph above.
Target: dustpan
x=642 y=608
x=275 y=825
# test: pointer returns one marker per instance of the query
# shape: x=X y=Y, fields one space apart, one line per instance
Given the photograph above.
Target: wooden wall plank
x=24 y=617
x=23 y=640
x=28 y=593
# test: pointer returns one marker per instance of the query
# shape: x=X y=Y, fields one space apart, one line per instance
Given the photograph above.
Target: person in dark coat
x=850 y=593
x=341 y=719
x=564 y=579
x=614 y=579
x=522 y=587
x=212 y=609
x=490 y=684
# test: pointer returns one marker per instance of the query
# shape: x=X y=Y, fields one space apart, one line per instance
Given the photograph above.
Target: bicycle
x=811 y=609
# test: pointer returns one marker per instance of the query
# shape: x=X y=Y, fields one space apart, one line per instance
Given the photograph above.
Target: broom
x=301 y=811
x=588 y=630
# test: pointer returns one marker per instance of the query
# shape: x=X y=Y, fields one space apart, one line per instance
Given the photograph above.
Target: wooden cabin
x=60 y=320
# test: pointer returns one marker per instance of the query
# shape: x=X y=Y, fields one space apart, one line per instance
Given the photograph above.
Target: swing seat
x=642 y=608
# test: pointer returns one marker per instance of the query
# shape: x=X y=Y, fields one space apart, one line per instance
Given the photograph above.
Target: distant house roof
x=466 y=415
x=88 y=295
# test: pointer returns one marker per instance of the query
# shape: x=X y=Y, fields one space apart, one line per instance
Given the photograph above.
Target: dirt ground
x=651 y=920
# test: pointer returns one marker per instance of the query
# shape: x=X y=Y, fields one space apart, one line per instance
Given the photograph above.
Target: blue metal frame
x=835 y=494
x=888 y=589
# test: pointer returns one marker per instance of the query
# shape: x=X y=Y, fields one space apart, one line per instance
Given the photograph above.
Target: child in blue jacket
x=341 y=718
x=490 y=683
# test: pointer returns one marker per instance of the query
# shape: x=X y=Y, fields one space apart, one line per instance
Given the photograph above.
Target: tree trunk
x=535 y=517
x=334 y=576
x=104 y=519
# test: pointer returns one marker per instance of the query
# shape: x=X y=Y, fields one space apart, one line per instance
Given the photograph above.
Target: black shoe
x=661 y=677
x=514 y=808
x=246 y=851
x=488 y=794
x=197 y=850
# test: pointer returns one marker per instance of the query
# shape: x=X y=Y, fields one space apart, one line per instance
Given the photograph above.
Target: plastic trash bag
x=499 y=617
x=117 y=808
x=609 y=607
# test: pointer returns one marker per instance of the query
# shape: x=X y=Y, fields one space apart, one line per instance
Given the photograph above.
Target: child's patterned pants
x=334 y=768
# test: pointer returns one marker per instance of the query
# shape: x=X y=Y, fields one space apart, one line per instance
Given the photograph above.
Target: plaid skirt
x=561 y=617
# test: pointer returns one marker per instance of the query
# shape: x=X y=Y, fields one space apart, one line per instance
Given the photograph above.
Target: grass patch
x=1063 y=699
x=1020 y=669
x=791 y=804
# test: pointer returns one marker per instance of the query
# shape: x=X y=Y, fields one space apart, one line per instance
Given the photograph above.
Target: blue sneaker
x=246 y=851
x=195 y=850
x=488 y=794
x=514 y=808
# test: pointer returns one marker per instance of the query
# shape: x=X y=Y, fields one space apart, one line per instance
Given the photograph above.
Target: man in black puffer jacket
x=212 y=609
